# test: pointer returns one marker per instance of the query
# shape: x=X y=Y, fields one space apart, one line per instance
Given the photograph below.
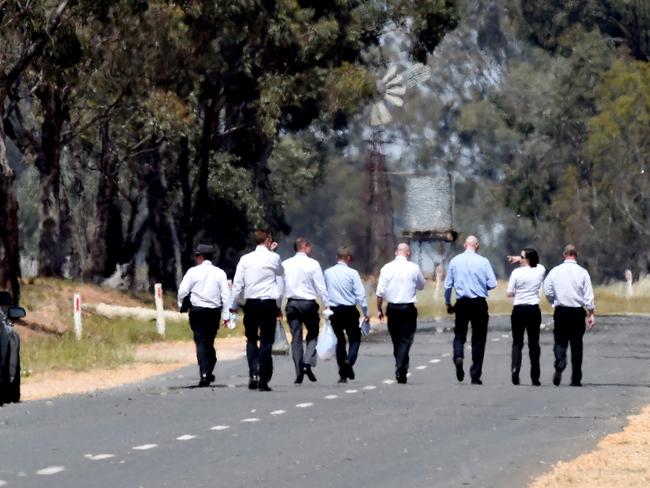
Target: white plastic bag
x=326 y=345
x=281 y=343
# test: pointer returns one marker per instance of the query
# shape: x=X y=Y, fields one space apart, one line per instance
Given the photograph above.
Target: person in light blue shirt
x=345 y=291
x=472 y=277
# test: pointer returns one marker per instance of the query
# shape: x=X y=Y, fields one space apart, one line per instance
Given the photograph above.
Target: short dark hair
x=261 y=235
x=300 y=243
x=570 y=250
x=531 y=256
x=343 y=252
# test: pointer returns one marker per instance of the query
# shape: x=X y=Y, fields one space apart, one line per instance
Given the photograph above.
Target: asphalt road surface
x=370 y=432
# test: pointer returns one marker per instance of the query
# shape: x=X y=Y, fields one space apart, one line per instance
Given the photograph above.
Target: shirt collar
x=470 y=251
x=342 y=262
x=301 y=254
x=206 y=261
x=400 y=258
x=261 y=247
x=571 y=261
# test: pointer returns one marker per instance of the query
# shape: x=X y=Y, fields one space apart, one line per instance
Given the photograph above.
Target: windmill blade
x=394 y=81
x=392 y=69
x=397 y=101
x=374 y=115
x=417 y=74
x=397 y=90
x=384 y=114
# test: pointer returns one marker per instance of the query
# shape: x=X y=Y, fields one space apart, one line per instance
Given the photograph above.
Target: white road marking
x=388 y=382
x=231 y=386
x=144 y=447
x=220 y=427
x=505 y=336
x=278 y=412
x=304 y=405
x=408 y=375
x=351 y=391
x=98 y=457
x=3 y=483
x=421 y=367
x=370 y=387
x=446 y=355
x=330 y=397
x=434 y=361
x=496 y=339
x=185 y=437
x=50 y=470
x=254 y=410
x=251 y=420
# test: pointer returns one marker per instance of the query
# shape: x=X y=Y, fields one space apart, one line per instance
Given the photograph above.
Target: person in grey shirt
x=568 y=288
x=346 y=291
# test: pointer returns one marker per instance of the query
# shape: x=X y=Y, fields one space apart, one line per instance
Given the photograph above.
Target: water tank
x=429 y=207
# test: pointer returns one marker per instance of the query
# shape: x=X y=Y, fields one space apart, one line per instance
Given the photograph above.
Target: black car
x=9 y=350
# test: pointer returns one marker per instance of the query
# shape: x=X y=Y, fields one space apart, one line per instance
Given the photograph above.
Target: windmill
x=378 y=237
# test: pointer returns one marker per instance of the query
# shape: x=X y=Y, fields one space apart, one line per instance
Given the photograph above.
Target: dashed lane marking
x=3 y=483
x=505 y=336
x=351 y=391
x=388 y=382
x=278 y=412
x=220 y=427
x=496 y=339
x=98 y=457
x=304 y=405
x=434 y=361
x=185 y=437
x=370 y=387
x=446 y=355
x=50 y=470
x=250 y=420
x=144 y=447
x=421 y=367
x=330 y=397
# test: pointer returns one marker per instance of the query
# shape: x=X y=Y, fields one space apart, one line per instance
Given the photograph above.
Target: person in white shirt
x=256 y=277
x=568 y=288
x=346 y=291
x=206 y=286
x=524 y=287
x=303 y=283
x=397 y=285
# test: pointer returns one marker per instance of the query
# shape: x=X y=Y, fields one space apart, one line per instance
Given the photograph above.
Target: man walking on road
x=568 y=288
x=303 y=282
x=207 y=288
x=256 y=276
x=398 y=282
x=472 y=277
x=346 y=291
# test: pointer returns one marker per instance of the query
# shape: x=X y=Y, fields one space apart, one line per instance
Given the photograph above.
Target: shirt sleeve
x=185 y=287
x=360 y=293
x=225 y=295
x=381 y=284
x=491 y=279
x=319 y=282
x=588 y=292
x=449 y=282
x=512 y=284
x=549 y=290
x=237 y=284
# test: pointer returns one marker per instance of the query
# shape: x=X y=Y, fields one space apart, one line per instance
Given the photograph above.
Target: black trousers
x=474 y=310
x=402 y=322
x=526 y=319
x=259 y=326
x=345 y=321
x=204 y=323
x=568 y=328
x=301 y=312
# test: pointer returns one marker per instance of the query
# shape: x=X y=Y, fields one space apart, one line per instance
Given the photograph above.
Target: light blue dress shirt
x=344 y=287
x=471 y=275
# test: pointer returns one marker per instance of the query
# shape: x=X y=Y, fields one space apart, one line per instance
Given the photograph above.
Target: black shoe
x=203 y=382
x=253 y=383
x=401 y=377
x=350 y=373
x=342 y=379
x=211 y=377
x=557 y=377
x=536 y=383
x=515 y=377
x=299 y=379
x=310 y=374
x=460 y=374
x=264 y=386
x=576 y=383
x=476 y=381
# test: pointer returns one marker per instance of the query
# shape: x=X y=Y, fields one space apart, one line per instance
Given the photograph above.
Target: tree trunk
x=9 y=250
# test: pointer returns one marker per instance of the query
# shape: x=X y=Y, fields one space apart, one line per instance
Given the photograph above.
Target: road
x=370 y=432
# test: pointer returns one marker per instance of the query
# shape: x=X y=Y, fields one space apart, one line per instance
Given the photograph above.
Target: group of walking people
x=263 y=282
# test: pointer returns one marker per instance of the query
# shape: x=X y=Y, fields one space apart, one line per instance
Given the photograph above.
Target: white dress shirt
x=208 y=286
x=525 y=283
x=399 y=280
x=303 y=279
x=257 y=276
x=569 y=285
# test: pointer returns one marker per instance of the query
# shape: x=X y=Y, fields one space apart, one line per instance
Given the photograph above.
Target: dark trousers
x=526 y=319
x=345 y=320
x=474 y=310
x=569 y=327
x=204 y=323
x=402 y=322
x=301 y=312
x=259 y=325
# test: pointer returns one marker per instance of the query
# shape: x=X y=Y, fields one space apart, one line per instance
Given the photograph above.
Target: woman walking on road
x=524 y=285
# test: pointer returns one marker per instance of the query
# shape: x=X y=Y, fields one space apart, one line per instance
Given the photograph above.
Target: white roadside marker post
x=76 y=315
x=160 y=312
x=629 y=291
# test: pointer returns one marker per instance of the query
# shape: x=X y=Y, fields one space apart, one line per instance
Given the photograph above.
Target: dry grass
x=621 y=460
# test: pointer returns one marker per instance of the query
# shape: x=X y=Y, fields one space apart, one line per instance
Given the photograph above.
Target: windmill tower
x=378 y=236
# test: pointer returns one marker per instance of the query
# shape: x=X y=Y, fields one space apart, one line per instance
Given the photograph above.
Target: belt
x=301 y=299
